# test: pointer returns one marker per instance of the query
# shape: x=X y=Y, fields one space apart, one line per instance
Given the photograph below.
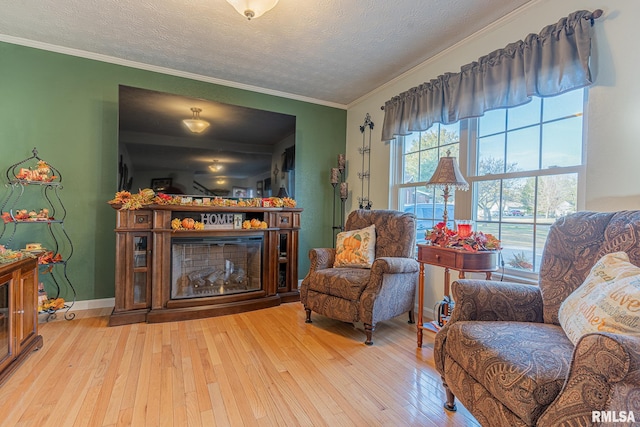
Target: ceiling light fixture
x=215 y=167
x=196 y=124
x=253 y=8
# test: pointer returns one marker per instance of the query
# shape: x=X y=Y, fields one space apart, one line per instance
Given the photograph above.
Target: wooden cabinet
x=151 y=286
x=18 y=314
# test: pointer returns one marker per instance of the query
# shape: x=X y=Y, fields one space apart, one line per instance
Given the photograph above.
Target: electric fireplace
x=213 y=266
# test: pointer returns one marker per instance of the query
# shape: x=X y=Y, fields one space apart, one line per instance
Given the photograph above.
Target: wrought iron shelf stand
x=59 y=239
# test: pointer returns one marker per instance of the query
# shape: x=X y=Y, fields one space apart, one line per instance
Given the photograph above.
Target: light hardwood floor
x=261 y=368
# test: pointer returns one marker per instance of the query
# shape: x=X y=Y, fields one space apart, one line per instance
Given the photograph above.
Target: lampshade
x=253 y=8
x=196 y=124
x=448 y=174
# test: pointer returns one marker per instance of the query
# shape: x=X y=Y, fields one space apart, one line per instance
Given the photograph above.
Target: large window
x=418 y=156
x=524 y=164
x=527 y=164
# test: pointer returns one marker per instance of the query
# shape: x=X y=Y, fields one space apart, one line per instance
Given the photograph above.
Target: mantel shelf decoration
x=126 y=200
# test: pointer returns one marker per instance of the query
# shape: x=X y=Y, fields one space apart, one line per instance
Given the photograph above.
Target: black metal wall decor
x=365 y=152
x=337 y=181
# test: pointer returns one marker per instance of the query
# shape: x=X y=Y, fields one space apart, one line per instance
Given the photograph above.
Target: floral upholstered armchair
x=507 y=353
x=367 y=294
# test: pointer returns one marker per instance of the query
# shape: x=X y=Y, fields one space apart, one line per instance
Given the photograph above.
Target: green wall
x=67 y=107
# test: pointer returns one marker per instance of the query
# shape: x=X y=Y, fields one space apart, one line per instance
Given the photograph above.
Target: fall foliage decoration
x=441 y=235
x=52 y=304
x=146 y=196
x=40 y=173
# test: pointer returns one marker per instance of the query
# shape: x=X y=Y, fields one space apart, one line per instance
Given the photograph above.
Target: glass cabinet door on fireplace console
x=138 y=297
x=133 y=272
x=283 y=258
x=287 y=243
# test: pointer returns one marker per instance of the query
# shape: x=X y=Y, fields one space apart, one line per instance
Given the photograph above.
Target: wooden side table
x=451 y=259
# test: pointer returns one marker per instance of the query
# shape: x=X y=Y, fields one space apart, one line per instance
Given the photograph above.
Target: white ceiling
x=328 y=51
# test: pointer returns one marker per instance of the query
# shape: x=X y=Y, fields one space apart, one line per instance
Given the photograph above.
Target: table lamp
x=447 y=176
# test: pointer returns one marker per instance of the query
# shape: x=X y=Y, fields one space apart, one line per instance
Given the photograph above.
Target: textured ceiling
x=330 y=51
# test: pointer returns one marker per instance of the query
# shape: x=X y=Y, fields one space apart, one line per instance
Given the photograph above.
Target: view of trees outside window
x=526 y=173
x=420 y=155
x=524 y=166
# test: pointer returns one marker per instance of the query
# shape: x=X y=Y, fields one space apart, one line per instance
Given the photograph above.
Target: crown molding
x=162 y=70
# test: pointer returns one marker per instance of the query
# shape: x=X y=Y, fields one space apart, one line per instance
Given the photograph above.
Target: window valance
x=549 y=63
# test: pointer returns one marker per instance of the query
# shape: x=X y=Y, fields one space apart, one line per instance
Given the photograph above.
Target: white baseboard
x=93 y=303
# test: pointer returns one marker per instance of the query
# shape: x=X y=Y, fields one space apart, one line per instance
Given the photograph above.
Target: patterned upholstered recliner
x=366 y=295
x=504 y=355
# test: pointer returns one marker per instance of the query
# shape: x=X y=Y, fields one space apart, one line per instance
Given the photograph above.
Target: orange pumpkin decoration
x=188 y=223
x=352 y=242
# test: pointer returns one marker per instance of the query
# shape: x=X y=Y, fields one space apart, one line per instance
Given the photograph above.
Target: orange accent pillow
x=356 y=248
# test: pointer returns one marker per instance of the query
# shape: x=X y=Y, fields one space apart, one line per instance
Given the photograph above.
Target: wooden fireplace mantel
x=143 y=263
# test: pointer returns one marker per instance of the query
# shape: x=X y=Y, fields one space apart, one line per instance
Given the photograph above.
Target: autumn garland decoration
x=442 y=236
x=146 y=196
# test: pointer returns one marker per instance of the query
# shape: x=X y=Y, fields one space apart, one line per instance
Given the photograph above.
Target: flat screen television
x=244 y=152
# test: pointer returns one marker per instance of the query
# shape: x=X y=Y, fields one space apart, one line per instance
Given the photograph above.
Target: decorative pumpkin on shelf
x=254 y=223
x=188 y=223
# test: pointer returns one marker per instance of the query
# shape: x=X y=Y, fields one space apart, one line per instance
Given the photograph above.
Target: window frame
x=468 y=154
x=397 y=173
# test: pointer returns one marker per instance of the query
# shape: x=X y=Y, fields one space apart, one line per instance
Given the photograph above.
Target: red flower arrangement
x=442 y=236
